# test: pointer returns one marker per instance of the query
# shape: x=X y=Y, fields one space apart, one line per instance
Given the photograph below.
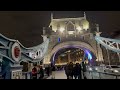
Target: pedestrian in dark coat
x=67 y=71
x=41 y=72
x=77 y=71
x=70 y=70
x=84 y=70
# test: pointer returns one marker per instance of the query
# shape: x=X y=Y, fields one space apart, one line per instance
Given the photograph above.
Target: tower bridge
x=62 y=33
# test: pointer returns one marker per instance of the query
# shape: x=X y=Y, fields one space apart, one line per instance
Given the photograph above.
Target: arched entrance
x=90 y=53
x=73 y=54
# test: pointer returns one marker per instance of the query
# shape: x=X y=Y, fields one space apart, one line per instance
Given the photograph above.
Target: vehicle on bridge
x=112 y=69
x=105 y=68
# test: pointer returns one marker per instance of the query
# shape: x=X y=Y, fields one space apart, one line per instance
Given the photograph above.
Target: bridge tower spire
x=84 y=15
x=51 y=16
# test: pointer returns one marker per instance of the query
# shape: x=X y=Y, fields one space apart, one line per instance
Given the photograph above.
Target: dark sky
x=26 y=26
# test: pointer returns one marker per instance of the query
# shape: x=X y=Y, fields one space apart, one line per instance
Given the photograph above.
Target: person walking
x=41 y=72
x=53 y=71
x=34 y=73
x=84 y=70
x=77 y=71
x=66 y=71
x=48 y=70
x=70 y=70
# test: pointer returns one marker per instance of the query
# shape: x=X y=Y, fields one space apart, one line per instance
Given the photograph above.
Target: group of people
x=76 y=71
x=40 y=72
x=37 y=71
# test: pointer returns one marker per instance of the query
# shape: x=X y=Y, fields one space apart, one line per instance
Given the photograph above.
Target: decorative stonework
x=16 y=52
x=67 y=32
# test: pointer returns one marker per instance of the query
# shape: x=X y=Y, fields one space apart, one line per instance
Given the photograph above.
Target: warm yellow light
x=62 y=29
x=70 y=32
x=79 y=28
x=85 y=24
x=69 y=51
x=86 y=27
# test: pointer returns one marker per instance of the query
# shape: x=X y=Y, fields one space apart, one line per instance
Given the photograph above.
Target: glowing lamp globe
x=85 y=24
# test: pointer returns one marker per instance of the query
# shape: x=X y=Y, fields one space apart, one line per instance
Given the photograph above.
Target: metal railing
x=102 y=75
x=28 y=75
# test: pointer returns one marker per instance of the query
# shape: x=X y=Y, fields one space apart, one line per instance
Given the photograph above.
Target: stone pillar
x=100 y=55
x=108 y=56
x=44 y=31
x=99 y=50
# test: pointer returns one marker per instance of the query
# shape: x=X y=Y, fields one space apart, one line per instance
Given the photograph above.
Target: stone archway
x=76 y=44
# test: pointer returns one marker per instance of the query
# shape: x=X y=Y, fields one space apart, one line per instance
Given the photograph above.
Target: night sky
x=26 y=26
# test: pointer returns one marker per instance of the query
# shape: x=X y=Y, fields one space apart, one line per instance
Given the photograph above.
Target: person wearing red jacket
x=34 y=73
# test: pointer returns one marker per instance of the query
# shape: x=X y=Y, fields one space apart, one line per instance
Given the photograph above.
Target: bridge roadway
x=59 y=75
x=93 y=75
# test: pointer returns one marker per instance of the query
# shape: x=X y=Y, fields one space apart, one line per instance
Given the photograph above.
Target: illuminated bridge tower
x=70 y=32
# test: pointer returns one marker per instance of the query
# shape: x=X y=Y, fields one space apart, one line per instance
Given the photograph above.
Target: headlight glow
x=96 y=68
x=90 y=69
x=116 y=71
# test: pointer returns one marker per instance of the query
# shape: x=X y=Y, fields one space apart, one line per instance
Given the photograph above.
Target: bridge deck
x=59 y=75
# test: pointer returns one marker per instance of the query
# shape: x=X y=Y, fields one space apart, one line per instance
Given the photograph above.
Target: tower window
x=70 y=26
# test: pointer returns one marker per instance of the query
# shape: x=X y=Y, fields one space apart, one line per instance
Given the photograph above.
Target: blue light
x=89 y=55
x=59 y=40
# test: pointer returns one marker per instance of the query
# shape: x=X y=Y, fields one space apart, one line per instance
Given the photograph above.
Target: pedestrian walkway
x=59 y=75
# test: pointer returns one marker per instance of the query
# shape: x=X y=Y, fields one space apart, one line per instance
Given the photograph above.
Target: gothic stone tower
x=70 y=31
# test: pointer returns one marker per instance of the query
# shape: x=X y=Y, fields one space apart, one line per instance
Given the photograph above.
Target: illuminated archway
x=74 y=44
x=89 y=55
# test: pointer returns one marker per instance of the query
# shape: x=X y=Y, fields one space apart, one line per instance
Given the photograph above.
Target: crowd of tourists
x=39 y=73
x=76 y=71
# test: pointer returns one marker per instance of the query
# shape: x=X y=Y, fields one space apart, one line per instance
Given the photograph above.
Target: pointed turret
x=51 y=16
x=84 y=15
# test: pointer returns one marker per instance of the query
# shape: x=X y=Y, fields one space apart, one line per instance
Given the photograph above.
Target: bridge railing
x=28 y=75
x=102 y=75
